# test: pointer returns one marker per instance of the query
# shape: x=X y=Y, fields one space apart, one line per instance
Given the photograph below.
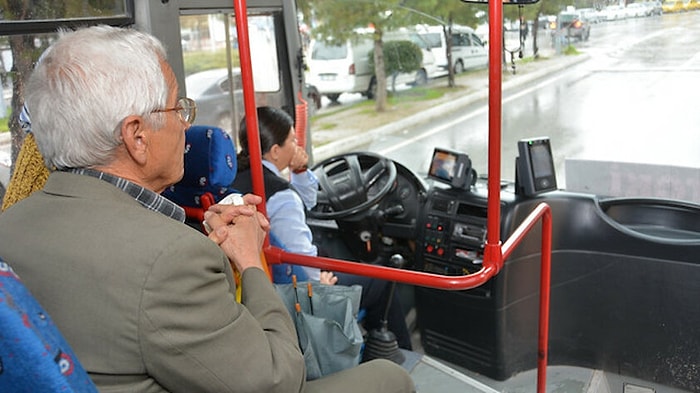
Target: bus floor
x=434 y=375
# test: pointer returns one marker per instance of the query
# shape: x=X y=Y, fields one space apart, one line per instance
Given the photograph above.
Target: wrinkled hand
x=239 y=230
x=328 y=278
x=299 y=161
x=225 y=213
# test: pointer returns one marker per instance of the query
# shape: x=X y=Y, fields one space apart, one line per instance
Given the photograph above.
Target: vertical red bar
x=545 y=287
x=492 y=251
x=251 y=115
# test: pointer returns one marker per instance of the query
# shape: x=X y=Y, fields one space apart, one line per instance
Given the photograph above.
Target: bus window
x=93 y=9
x=212 y=65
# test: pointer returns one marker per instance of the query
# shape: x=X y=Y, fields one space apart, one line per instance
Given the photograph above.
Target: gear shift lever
x=381 y=343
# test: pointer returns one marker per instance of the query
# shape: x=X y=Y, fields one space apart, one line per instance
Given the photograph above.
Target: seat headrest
x=210 y=166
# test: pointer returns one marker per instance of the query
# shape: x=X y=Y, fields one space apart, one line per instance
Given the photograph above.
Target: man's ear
x=135 y=137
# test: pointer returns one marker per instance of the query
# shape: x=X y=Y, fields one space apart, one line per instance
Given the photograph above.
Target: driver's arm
x=285 y=210
x=306 y=185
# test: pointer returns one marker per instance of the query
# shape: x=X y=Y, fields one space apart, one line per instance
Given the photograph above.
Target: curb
x=346 y=144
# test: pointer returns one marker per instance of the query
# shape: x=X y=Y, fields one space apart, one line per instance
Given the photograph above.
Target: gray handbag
x=325 y=317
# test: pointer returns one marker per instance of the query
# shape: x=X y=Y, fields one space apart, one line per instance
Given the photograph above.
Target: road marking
x=470 y=115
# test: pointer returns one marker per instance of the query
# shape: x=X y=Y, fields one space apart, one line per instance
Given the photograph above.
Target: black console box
x=624 y=287
x=463 y=327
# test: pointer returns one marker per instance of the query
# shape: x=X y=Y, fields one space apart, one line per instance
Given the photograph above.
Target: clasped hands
x=239 y=230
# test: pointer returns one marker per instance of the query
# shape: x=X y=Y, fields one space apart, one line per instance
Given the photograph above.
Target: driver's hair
x=273 y=125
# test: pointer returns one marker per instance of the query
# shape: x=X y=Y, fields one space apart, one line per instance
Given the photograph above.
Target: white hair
x=87 y=82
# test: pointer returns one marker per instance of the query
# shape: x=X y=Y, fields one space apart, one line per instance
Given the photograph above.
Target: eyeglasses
x=185 y=107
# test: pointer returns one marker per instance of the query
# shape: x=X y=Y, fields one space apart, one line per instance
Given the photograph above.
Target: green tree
x=399 y=57
x=339 y=20
x=26 y=48
x=445 y=14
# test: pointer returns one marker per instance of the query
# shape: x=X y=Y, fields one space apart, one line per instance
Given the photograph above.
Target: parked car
x=654 y=7
x=547 y=22
x=429 y=67
x=337 y=68
x=613 y=12
x=692 y=5
x=468 y=51
x=574 y=25
x=636 y=10
x=211 y=90
x=671 y=6
x=313 y=99
x=340 y=68
x=591 y=14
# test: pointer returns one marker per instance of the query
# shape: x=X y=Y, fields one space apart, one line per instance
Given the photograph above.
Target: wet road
x=635 y=100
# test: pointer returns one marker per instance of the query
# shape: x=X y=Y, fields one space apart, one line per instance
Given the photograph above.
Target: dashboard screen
x=442 y=165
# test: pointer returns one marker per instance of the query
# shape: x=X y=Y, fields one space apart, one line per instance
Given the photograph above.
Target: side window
x=476 y=41
x=461 y=40
x=237 y=82
x=210 y=58
x=434 y=40
x=418 y=40
x=225 y=86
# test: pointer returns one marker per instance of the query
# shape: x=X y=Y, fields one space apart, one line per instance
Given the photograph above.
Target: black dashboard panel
x=623 y=295
x=452 y=231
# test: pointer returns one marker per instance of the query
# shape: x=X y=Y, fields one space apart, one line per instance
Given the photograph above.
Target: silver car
x=211 y=90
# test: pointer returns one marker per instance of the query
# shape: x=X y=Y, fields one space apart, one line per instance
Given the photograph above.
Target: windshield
x=616 y=99
x=322 y=51
x=434 y=40
x=616 y=96
x=567 y=18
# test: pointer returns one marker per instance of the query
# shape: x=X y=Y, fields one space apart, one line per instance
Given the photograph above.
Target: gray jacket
x=146 y=302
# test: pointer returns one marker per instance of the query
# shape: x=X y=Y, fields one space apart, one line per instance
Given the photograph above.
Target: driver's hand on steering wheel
x=328 y=278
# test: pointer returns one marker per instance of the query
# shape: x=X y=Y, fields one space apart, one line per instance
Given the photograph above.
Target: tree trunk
x=22 y=66
x=447 y=31
x=535 y=33
x=380 y=74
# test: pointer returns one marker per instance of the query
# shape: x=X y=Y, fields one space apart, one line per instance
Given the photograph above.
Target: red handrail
x=494 y=252
x=251 y=114
x=544 y=212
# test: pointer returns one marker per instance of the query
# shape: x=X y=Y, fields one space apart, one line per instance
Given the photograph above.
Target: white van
x=344 y=68
x=429 y=67
x=468 y=51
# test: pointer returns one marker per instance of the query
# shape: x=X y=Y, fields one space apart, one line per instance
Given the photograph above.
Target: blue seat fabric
x=34 y=356
x=210 y=166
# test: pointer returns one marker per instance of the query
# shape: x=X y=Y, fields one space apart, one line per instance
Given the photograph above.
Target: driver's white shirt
x=286 y=212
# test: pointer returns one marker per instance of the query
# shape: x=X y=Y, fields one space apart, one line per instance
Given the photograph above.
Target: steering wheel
x=351 y=183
